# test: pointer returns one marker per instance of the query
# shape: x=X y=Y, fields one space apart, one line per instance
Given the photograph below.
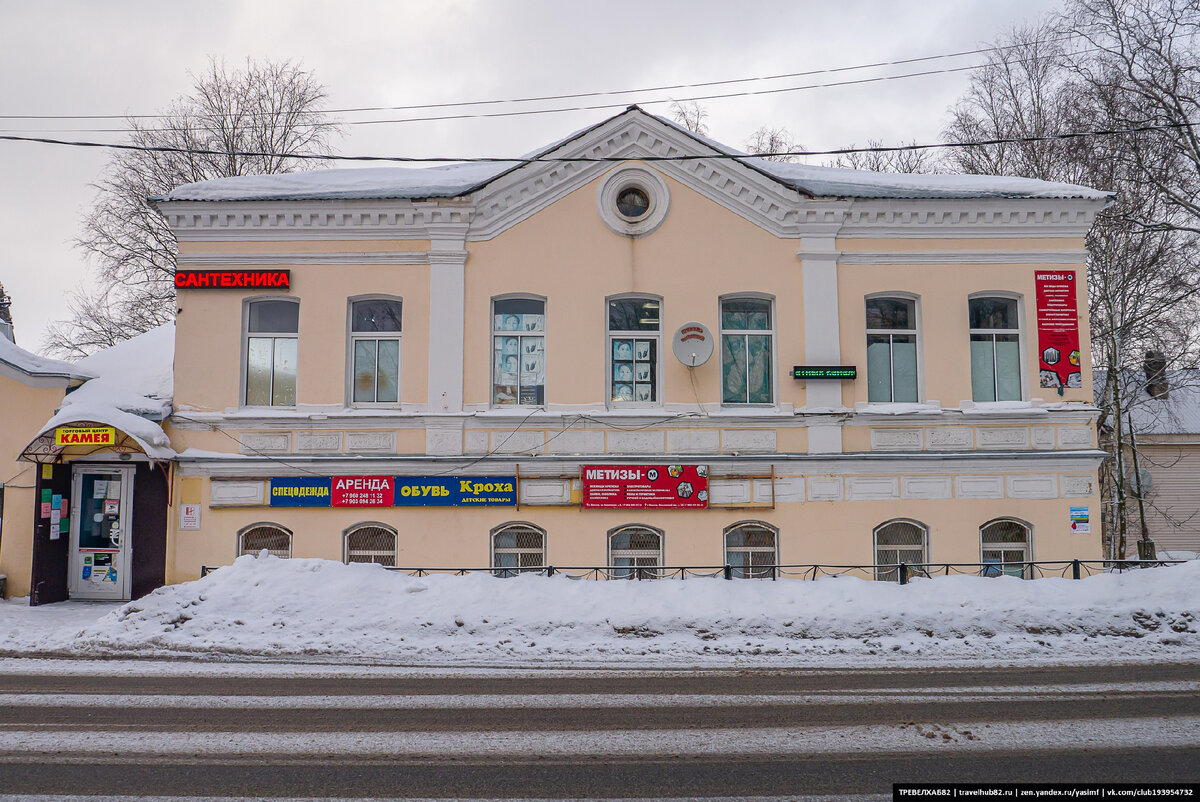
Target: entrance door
x=101 y=520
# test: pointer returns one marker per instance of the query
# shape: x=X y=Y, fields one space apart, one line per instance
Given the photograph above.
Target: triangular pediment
x=634 y=135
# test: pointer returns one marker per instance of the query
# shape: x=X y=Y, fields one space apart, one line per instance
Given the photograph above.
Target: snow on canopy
x=31 y=364
x=455 y=180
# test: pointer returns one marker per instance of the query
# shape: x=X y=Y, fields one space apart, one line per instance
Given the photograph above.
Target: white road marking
x=586 y=700
x=1182 y=731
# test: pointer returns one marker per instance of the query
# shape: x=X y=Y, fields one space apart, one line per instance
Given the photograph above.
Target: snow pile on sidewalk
x=307 y=608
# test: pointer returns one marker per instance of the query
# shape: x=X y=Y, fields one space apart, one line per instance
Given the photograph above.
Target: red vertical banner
x=1058 y=329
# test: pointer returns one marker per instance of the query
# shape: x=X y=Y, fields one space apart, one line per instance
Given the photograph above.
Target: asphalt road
x=617 y=734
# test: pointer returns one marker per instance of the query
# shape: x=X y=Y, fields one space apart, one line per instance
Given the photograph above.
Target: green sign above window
x=824 y=372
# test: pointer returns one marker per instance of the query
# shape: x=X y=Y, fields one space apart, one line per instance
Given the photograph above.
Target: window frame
x=1022 y=342
x=635 y=571
x=879 y=575
x=1026 y=571
x=493 y=333
x=350 y=530
x=635 y=334
x=748 y=571
x=352 y=337
x=509 y=571
x=771 y=332
x=245 y=350
x=238 y=542
x=916 y=333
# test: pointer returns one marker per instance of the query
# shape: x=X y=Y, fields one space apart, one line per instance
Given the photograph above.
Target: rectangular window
x=633 y=346
x=519 y=352
x=746 y=349
x=375 y=344
x=891 y=350
x=271 y=353
x=995 y=349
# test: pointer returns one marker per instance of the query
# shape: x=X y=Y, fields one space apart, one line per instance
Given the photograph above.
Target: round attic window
x=633 y=201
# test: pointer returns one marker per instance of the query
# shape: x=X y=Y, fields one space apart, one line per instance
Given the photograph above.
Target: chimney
x=1155 y=367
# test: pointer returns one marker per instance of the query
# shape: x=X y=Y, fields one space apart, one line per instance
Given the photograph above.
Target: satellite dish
x=692 y=344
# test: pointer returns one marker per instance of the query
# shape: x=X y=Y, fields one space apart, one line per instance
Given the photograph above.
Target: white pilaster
x=447 y=300
x=822 y=346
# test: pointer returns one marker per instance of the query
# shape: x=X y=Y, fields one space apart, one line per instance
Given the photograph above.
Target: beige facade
x=819 y=464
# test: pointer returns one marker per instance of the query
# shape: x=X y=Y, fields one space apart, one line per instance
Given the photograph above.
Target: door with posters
x=101 y=517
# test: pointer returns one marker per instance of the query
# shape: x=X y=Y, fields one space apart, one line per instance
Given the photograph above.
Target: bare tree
x=773 y=144
x=691 y=115
x=888 y=161
x=254 y=119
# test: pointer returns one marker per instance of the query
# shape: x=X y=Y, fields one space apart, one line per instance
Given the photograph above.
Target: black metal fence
x=893 y=572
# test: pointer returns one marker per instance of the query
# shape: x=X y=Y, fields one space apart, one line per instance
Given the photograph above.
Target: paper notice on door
x=112 y=507
x=99 y=488
x=114 y=488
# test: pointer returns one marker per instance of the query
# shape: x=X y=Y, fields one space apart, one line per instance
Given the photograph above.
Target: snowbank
x=33 y=365
x=134 y=376
x=308 y=608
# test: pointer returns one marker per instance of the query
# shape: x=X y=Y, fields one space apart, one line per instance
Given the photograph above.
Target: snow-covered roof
x=1178 y=413
x=454 y=180
x=31 y=364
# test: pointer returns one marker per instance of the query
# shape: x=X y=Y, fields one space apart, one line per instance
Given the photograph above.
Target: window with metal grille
x=900 y=542
x=751 y=550
x=635 y=552
x=517 y=548
x=272 y=537
x=371 y=543
x=1004 y=548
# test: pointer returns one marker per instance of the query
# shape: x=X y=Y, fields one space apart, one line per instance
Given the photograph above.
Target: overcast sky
x=134 y=57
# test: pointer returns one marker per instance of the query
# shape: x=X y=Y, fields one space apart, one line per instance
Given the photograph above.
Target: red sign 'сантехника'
x=232 y=279
x=645 y=486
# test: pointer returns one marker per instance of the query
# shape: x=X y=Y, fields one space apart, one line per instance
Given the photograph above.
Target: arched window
x=995 y=348
x=900 y=542
x=891 y=350
x=271 y=352
x=272 y=537
x=635 y=552
x=1004 y=548
x=375 y=351
x=752 y=550
x=370 y=543
x=634 y=337
x=518 y=547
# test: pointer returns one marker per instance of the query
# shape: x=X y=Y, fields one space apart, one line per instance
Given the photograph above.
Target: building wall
x=26 y=409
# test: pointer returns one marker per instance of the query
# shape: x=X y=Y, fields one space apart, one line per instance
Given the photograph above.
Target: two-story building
x=636 y=348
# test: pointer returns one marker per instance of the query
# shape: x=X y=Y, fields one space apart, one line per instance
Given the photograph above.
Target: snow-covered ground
x=306 y=609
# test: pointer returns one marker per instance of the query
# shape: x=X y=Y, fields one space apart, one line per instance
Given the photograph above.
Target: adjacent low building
x=638 y=349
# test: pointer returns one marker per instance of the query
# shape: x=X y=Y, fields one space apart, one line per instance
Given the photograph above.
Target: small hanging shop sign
x=835 y=372
x=85 y=435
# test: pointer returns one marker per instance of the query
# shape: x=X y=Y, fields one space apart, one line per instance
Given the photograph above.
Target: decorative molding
x=318 y=442
x=925 y=487
x=728 y=491
x=1002 y=437
x=545 y=491
x=265 y=442
x=643 y=442
x=1077 y=485
x=762 y=491
x=1074 y=437
x=444 y=440
x=872 y=488
x=693 y=441
x=1042 y=437
x=941 y=438
x=258 y=221
x=890 y=439
x=824 y=488
x=355 y=258
x=236 y=493
x=1066 y=256
x=476 y=441
x=749 y=441
x=518 y=442
x=576 y=442
x=364 y=442
x=824 y=438
x=1032 y=486
x=789 y=489
x=647 y=181
x=971 y=217
x=979 y=486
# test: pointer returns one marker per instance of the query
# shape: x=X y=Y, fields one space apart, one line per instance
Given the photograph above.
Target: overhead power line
x=530 y=160
x=604 y=93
